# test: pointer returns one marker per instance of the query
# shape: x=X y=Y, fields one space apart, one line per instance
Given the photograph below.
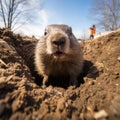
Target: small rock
x=115 y=105
x=3 y=64
x=100 y=66
x=61 y=104
x=100 y=114
x=2 y=82
x=118 y=58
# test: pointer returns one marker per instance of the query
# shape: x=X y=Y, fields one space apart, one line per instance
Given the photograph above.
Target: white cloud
x=31 y=30
x=38 y=23
x=44 y=16
x=38 y=20
x=82 y=34
x=36 y=28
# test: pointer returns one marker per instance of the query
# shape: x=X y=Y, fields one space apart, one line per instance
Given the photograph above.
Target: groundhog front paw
x=73 y=82
x=45 y=80
x=44 y=86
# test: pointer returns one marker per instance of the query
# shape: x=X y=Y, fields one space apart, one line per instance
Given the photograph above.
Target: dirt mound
x=98 y=94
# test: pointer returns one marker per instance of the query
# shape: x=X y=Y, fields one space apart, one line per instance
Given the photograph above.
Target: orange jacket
x=92 y=31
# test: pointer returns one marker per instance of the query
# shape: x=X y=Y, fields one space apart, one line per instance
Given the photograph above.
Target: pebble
x=118 y=58
x=101 y=114
x=2 y=82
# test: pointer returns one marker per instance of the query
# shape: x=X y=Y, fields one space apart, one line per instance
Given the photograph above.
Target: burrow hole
x=61 y=81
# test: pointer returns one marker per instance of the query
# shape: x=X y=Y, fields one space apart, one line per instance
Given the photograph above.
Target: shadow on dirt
x=89 y=70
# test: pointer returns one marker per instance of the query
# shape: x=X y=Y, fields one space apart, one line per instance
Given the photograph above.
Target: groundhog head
x=58 y=40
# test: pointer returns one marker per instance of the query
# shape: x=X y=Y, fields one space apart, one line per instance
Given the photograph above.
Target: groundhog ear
x=70 y=31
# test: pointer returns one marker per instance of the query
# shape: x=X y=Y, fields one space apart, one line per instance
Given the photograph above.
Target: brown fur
x=49 y=62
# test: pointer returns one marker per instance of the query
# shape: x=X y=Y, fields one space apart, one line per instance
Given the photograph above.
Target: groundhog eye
x=45 y=33
x=69 y=32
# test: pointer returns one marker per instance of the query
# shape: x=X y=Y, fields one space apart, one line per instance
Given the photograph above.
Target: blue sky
x=71 y=12
x=75 y=13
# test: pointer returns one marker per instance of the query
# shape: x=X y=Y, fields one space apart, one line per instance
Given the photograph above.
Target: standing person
x=92 y=32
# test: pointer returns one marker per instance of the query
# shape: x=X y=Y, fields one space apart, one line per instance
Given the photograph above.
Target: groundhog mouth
x=58 y=54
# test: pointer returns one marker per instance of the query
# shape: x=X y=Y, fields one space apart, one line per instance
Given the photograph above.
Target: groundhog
x=58 y=53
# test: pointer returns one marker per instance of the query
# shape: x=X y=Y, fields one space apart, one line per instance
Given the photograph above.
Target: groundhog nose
x=59 y=42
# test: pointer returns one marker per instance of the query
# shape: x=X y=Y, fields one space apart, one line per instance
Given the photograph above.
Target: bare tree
x=107 y=13
x=14 y=12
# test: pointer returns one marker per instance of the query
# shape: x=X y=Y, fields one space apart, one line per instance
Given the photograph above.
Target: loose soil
x=96 y=98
